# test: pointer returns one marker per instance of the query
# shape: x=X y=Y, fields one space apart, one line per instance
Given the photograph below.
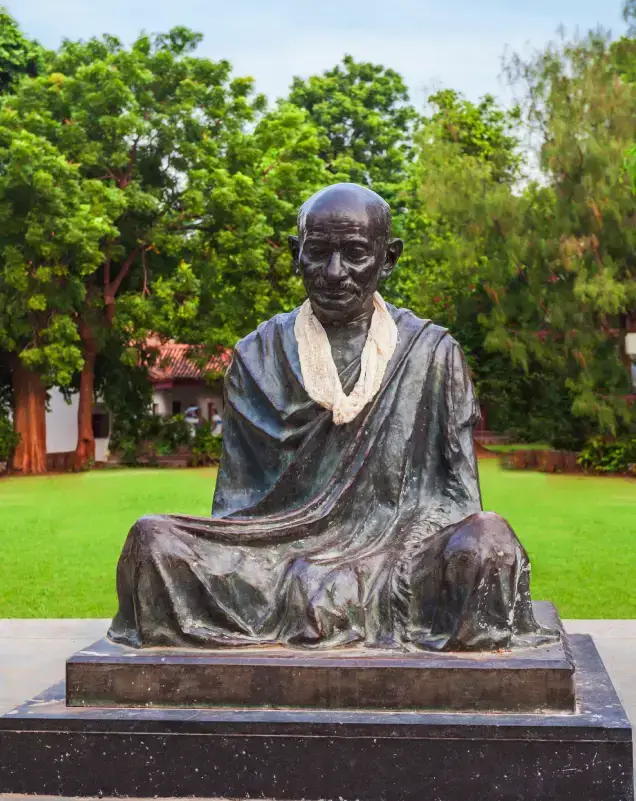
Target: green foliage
x=174 y=432
x=243 y=263
x=18 y=56
x=154 y=436
x=363 y=112
x=482 y=131
x=530 y=407
x=576 y=289
x=8 y=439
x=629 y=15
x=536 y=284
x=460 y=206
x=121 y=379
x=145 y=189
x=206 y=448
x=630 y=167
x=462 y=231
x=158 y=128
x=609 y=456
x=51 y=226
x=144 y=438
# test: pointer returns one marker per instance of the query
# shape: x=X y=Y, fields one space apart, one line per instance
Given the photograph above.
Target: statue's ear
x=393 y=252
x=294 y=247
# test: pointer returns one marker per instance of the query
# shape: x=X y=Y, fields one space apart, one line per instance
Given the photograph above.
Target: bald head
x=343 y=250
x=347 y=199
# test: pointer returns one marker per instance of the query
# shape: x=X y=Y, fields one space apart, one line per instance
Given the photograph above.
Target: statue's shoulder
x=268 y=331
x=406 y=320
x=270 y=344
x=429 y=333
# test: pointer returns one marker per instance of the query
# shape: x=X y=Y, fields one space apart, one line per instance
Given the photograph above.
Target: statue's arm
x=463 y=413
x=241 y=477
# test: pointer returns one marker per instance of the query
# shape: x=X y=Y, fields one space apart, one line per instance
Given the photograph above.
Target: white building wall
x=61 y=423
x=162 y=399
x=161 y=402
x=209 y=396
x=61 y=427
x=101 y=449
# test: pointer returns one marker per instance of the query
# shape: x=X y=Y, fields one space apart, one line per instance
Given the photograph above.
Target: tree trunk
x=29 y=420
x=85 y=450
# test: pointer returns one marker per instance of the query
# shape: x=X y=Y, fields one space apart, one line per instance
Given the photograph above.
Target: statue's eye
x=355 y=253
x=316 y=251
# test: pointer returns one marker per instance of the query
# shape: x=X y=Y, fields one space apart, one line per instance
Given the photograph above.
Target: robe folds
x=322 y=535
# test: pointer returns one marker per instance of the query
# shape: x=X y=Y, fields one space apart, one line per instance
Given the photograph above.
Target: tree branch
x=124 y=270
x=127 y=175
x=144 y=264
x=107 y=276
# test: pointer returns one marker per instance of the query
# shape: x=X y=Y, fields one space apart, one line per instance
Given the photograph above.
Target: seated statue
x=347 y=507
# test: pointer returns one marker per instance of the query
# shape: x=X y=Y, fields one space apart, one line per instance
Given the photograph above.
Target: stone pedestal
x=524 y=680
x=48 y=748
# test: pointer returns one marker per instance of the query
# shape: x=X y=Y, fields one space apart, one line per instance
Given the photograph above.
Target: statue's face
x=342 y=256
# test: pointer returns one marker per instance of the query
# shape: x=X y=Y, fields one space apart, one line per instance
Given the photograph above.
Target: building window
x=155 y=408
x=176 y=407
x=101 y=425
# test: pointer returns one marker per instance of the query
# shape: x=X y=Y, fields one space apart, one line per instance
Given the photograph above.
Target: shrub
x=609 y=456
x=8 y=440
x=174 y=433
x=157 y=436
x=206 y=448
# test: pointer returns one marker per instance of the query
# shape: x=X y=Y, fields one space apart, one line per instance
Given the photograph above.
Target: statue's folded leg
x=480 y=596
x=320 y=605
x=178 y=588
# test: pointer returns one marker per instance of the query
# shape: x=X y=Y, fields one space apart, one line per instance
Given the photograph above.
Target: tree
x=245 y=272
x=51 y=224
x=155 y=125
x=480 y=130
x=574 y=298
x=19 y=56
x=467 y=231
x=460 y=201
x=461 y=208
x=629 y=15
x=363 y=112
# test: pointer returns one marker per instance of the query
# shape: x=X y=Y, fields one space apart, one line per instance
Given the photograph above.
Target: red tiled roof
x=178 y=361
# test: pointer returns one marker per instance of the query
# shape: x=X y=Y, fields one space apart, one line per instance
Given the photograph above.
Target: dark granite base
x=521 y=680
x=48 y=748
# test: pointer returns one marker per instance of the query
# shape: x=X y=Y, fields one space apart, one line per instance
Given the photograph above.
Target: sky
x=434 y=44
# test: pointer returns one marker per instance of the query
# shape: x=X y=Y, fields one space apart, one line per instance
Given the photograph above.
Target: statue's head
x=344 y=250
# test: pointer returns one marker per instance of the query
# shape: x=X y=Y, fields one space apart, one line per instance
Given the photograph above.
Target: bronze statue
x=347 y=506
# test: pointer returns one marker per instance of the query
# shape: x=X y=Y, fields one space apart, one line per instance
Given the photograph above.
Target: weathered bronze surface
x=367 y=533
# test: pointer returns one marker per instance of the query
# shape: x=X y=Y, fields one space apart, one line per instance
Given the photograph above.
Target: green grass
x=60 y=536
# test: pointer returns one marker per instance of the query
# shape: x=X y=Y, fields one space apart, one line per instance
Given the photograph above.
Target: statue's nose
x=334 y=272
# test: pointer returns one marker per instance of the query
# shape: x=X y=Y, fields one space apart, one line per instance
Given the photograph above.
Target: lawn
x=60 y=536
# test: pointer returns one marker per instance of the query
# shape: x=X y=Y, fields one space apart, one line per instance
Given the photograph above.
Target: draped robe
x=322 y=535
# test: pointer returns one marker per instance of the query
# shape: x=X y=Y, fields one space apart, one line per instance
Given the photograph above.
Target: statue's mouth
x=336 y=294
